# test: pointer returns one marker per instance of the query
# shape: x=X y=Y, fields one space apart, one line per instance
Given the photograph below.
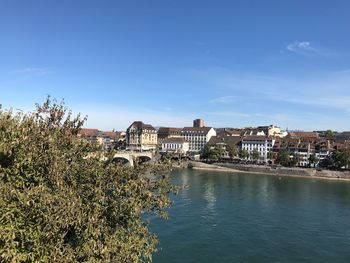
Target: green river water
x=227 y=217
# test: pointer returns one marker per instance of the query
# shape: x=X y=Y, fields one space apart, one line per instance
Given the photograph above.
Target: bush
x=60 y=203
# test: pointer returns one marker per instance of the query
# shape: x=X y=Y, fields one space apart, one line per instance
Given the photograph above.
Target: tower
x=198 y=123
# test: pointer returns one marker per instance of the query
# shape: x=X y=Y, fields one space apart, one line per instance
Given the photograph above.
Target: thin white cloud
x=326 y=89
x=32 y=71
x=224 y=99
x=304 y=48
x=286 y=99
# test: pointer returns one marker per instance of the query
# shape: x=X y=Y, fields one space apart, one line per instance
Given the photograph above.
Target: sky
x=167 y=62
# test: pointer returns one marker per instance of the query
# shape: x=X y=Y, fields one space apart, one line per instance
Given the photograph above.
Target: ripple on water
x=246 y=218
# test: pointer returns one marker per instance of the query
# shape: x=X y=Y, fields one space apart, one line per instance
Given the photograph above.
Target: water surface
x=225 y=217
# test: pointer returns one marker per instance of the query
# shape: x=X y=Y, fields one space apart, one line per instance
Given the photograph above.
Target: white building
x=175 y=145
x=273 y=131
x=197 y=137
x=304 y=148
x=261 y=144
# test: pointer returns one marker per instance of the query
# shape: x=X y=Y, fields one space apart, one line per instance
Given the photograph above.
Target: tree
x=61 y=203
x=205 y=153
x=243 y=154
x=232 y=151
x=270 y=155
x=329 y=135
x=216 y=153
x=341 y=158
x=255 y=155
x=312 y=159
x=327 y=162
x=295 y=159
x=283 y=158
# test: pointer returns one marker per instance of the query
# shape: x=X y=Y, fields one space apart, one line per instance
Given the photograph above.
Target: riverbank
x=279 y=171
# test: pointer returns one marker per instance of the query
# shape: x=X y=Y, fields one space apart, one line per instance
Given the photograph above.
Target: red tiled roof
x=142 y=126
x=88 y=132
x=303 y=134
x=169 y=130
x=228 y=140
x=109 y=134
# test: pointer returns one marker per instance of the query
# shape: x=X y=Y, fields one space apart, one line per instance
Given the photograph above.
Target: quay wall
x=278 y=171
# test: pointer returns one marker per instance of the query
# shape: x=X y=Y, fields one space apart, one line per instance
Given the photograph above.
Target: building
x=305 y=147
x=141 y=137
x=198 y=123
x=343 y=136
x=120 y=142
x=168 y=132
x=262 y=144
x=323 y=149
x=106 y=139
x=225 y=142
x=197 y=137
x=252 y=132
x=228 y=132
x=273 y=131
x=305 y=135
x=88 y=134
x=175 y=145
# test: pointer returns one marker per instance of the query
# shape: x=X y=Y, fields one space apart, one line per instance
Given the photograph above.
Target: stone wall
x=310 y=172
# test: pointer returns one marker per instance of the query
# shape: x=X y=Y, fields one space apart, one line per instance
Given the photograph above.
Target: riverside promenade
x=277 y=171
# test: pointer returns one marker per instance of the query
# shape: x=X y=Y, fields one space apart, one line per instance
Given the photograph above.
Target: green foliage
x=329 y=134
x=212 y=153
x=312 y=159
x=243 y=154
x=205 y=153
x=60 y=203
x=232 y=151
x=255 y=155
x=216 y=153
x=341 y=158
x=295 y=159
x=327 y=162
x=283 y=158
x=270 y=155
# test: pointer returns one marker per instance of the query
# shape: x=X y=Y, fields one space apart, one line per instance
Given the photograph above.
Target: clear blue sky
x=166 y=62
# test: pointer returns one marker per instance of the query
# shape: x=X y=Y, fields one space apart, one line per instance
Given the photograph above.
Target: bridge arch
x=143 y=158
x=121 y=160
x=124 y=158
x=131 y=157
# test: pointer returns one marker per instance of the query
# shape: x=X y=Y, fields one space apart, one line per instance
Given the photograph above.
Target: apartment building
x=141 y=137
x=175 y=145
x=262 y=144
x=304 y=147
x=197 y=137
x=168 y=132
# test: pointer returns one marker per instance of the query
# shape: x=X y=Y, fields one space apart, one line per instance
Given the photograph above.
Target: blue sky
x=167 y=62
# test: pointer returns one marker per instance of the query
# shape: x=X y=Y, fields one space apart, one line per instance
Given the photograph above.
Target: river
x=227 y=217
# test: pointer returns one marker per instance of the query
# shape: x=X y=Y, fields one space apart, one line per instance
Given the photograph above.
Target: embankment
x=279 y=171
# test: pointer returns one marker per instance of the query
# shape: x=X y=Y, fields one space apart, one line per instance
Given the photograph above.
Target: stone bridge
x=131 y=157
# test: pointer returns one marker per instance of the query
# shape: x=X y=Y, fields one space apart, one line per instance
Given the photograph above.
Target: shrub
x=60 y=203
